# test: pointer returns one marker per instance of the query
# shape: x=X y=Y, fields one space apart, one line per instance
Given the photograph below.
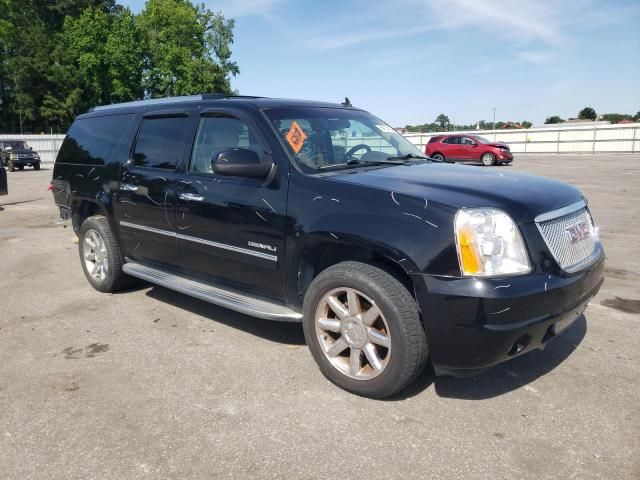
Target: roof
x=215 y=99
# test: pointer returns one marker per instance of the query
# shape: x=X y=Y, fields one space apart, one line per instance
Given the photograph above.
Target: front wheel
x=488 y=159
x=364 y=330
x=36 y=166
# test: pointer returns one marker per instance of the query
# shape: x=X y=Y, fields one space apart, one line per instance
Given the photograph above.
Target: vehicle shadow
x=515 y=373
x=280 y=332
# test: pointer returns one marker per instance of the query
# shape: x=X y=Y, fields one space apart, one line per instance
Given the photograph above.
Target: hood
x=21 y=151
x=521 y=195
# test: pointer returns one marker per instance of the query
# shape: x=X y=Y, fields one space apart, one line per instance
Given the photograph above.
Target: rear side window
x=92 y=141
x=160 y=143
x=434 y=139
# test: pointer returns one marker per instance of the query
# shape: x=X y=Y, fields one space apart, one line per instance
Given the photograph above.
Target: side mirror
x=240 y=162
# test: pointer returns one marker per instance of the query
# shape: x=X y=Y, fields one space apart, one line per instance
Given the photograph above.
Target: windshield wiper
x=388 y=161
x=409 y=156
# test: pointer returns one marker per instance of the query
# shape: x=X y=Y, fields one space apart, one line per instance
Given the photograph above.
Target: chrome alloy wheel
x=353 y=333
x=95 y=255
x=487 y=159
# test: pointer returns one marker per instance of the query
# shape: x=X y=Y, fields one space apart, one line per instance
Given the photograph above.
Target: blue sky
x=409 y=60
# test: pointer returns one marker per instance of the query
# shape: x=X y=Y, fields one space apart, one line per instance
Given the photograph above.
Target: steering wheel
x=353 y=150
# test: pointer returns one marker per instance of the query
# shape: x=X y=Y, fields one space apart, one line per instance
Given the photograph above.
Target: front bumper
x=473 y=324
x=24 y=162
x=505 y=157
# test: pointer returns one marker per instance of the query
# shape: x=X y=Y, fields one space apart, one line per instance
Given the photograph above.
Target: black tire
x=12 y=167
x=408 y=351
x=36 y=166
x=115 y=278
x=488 y=159
x=21 y=167
x=439 y=157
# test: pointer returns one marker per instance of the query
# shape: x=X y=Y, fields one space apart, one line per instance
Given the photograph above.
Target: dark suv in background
x=17 y=154
x=322 y=214
x=468 y=149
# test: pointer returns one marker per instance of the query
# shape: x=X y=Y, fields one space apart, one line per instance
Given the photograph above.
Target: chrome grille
x=571 y=256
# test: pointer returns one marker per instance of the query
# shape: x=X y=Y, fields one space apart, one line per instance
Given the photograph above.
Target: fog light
x=519 y=345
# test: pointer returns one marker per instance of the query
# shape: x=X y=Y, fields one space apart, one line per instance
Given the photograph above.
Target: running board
x=230 y=299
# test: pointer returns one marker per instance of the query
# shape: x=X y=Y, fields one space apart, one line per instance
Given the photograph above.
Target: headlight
x=489 y=244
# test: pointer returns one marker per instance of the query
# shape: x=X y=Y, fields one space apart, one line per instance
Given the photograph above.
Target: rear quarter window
x=93 y=140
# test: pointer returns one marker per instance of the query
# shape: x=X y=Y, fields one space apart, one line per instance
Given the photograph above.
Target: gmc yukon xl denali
x=322 y=214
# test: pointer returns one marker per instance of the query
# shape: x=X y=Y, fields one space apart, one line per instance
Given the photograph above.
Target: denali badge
x=578 y=231
x=263 y=246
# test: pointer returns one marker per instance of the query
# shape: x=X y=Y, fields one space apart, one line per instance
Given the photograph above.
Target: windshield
x=335 y=138
x=15 y=145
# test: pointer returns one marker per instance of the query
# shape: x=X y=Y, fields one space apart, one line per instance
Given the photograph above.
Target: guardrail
x=570 y=139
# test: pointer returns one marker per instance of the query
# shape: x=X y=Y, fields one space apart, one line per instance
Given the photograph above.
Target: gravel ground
x=153 y=384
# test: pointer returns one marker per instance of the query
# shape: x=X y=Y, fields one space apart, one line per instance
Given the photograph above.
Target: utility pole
x=494 y=118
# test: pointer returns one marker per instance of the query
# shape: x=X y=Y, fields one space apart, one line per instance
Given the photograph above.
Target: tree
x=554 y=119
x=616 y=117
x=186 y=49
x=587 y=113
x=636 y=117
x=526 y=124
x=443 y=121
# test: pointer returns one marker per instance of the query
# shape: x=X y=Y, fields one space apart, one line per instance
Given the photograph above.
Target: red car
x=468 y=149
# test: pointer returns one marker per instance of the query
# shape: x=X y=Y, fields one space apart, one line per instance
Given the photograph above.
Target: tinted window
x=92 y=141
x=160 y=142
x=467 y=141
x=452 y=140
x=216 y=134
x=434 y=139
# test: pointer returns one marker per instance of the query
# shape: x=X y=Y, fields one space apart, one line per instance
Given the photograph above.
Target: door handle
x=191 y=197
x=128 y=187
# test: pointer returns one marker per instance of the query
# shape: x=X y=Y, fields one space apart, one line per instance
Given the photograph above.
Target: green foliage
x=58 y=58
x=587 y=113
x=636 y=117
x=554 y=119
x=616 y=117
x=443 y=121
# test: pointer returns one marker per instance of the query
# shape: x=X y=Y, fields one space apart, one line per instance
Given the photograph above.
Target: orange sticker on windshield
x=296 y=137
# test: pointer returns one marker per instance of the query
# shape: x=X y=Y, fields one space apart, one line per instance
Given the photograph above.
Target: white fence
x=47 y=146
x=623 y=138
x=569 y=139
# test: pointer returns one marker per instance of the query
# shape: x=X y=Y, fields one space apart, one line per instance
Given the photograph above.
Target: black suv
x=322 y=214
x=17 y=154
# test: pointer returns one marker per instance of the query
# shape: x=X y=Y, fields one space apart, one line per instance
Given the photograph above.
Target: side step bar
x=230 y=299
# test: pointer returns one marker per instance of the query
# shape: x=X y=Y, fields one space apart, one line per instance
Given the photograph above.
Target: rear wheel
x=488 y=159
x=101 y=256
x=364 y=330
x=21 y=167
x=438 y=157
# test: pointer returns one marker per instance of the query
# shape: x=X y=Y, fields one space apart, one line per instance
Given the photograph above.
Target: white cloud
x=245 y=8
x=534 y=57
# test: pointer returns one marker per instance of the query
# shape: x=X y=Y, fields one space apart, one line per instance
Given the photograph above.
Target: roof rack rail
x=155 y=101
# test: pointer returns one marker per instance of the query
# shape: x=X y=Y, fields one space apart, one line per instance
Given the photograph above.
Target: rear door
x=452 y=147
x=146 y=200
x=230 y=229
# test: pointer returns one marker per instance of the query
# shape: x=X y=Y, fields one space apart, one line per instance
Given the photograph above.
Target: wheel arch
x=84 y=207
x=320 y=252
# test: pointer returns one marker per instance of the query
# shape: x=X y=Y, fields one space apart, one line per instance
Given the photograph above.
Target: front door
x=468 y=149
x=231 y=230
x=146 y=201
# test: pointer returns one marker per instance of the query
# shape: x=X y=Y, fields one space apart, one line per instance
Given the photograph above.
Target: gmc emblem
x=578 y=231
